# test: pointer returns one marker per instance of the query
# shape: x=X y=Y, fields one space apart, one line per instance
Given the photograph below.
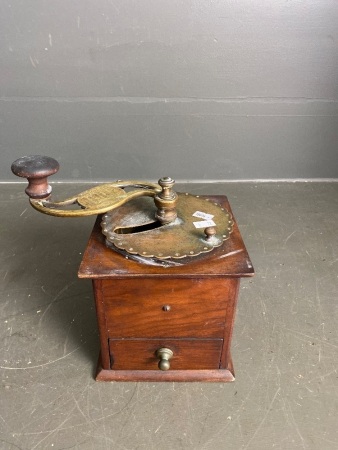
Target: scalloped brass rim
x=177 y=240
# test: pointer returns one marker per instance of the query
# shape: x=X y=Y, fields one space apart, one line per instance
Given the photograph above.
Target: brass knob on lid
x=210 y=232
x=164 y=355
x=36 y=169
x=167 y=184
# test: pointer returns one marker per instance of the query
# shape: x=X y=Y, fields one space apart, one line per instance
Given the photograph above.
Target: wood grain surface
x=231 y=259
x=189 y=354
x=137 y=308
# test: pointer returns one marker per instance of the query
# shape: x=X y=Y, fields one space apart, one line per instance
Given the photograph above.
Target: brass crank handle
x=96 y=200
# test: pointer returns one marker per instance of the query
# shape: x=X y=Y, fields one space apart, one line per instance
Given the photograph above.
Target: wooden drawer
x=139 y=354
x=136 y=308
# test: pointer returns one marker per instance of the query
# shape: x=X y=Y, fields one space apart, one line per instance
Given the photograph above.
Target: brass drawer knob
x=164 y=355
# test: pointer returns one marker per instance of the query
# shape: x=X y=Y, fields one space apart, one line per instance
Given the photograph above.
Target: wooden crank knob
x=36 y=169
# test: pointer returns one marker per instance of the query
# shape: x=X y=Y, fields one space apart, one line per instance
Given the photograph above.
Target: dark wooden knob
x=36 y=169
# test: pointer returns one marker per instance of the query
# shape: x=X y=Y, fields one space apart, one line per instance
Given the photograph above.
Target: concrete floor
x=285 y=344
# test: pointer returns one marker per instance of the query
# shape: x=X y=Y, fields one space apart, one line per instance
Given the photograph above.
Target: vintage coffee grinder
x=165 y=267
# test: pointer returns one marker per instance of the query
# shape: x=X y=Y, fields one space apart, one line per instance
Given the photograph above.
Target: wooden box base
x=217 y=375
x=188 y=309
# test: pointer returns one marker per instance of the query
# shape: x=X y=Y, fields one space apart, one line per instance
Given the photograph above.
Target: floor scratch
x=290 y=235
x=263 y=420
x=42 y=365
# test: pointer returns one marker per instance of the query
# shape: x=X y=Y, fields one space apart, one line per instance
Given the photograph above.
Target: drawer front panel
x=188 y=354
x=166 y=308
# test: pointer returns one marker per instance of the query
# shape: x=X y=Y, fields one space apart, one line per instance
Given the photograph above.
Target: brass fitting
x=166 y=201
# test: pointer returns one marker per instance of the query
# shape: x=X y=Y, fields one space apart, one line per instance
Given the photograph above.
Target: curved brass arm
x=97 y=200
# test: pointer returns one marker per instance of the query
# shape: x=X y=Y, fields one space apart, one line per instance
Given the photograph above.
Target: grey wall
x=194 y=89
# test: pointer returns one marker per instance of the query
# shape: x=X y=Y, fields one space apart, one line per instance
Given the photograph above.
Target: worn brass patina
x=164 y=355
x=133 y=228
x=98 y=199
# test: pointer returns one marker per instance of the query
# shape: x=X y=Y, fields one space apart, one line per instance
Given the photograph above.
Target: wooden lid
x=231 y=259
